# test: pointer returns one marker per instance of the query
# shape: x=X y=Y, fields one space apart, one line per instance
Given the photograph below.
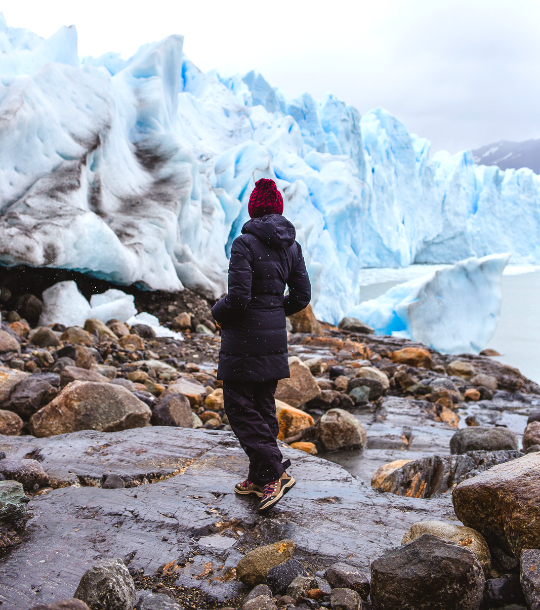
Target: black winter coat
x=264 y=259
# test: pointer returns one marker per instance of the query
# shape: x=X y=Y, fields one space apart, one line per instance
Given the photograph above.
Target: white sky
x=460 y=72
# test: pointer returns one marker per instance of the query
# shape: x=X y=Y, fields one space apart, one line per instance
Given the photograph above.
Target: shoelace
x=246 y=484
x=269 y=489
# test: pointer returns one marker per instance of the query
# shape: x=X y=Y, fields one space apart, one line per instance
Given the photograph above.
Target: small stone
x=13 y=501
x=534 y=416
x=118 y=328
x=44 y=337
x=27 y=472
x=99 y=328
x=75 y=373
x=344 y=599
x=113 y=481
x=300 y=387
x=459 y=534
x=489 y=352
x=9 y=378
x=479 y=438
x=305 y=446
x=107 y=586
x=300 y=586
x=531 y=436
x=427 y=574
x=342 y=575
x=472 y=394
x=387 y=469
x=191 y=389
x=20 y=328
x=103 y=369
x=530 y=577
x=144 y=331
x=156 y=601
x=32 y=393
x=262 y=602
x=182 y=321
x=131 y=342
x=371 y=372
x=374 y=386
x=10 y=423
x=533 y=449
x=336 y=371
x=77 y=336
x=30 y=308
x=214 y=401
x=207 y=416
x=341 y=383
x=354 y=325
x=485 y=381
x=5 y=294
x=257 y=591
x=461 y=368
x=315 y=365
x=281 y=576
x=338 y=429
x=413 y=356
x=360 y=394
x=173 y=410
x=8 y=343
x=138 y=376
x=12 y=316
x=291 y=421
x=254 y=566
x=203 y=330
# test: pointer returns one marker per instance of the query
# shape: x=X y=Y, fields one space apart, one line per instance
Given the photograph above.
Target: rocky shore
x=115 y=446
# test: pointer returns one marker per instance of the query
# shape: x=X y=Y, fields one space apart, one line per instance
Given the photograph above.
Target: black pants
x=251 y=410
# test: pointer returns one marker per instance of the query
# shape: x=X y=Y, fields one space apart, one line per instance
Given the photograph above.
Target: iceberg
x=453 y=310
x=139 y=170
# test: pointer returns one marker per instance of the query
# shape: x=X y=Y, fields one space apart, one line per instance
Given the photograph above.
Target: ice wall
x=454 y=310
x=139 y=170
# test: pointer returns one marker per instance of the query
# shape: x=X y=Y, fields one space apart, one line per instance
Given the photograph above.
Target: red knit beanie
x=265 y=199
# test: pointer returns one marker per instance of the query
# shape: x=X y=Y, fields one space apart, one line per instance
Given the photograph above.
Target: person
x=253 y=357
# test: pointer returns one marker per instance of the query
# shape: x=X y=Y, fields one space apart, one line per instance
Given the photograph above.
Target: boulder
x=305 y=322
x=44 y=337
x=530 y=577
x=85 y=405
x=413 y=356
x=485 y=381
x=253 y=568
x=119 y=328
x=214 y=401
x=459 y=534
x=28 y=472
x=75 y=373
x=20 y=328
x=427 y=574
x=385 y=470
x=77 y=336
x=13 y=500
x=291 y=421
x=478 y=438
x=461 y=368
x=173 y=410
x=106 y=370
x=305 y=446
x=262 y=602
x=281 y=576
x=8 y=343
x=344 y=576
x=300 y=387
x=371 y=372
x=100 y=329
x=182 y=321
x=191 y=389
x=144 y=331
x=63 y=604
x=472 y=394
x=372 y=388
x=344 y=599
x=132 y=342
x=503 y=591
x=32 y=393
x=10 y=423
x=9 y=378
x=315 y=365
x=258 y=591
x=502 y=503
x=338 y=429
x=531 y=436
x=156 y=601
x=107 y=586
x=533 y=416
x=354 y=325
x=29 y=307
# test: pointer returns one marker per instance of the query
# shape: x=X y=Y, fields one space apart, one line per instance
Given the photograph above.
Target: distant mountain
x=510 y=155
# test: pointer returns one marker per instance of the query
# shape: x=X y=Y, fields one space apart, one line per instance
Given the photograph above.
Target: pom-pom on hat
x=265 y=199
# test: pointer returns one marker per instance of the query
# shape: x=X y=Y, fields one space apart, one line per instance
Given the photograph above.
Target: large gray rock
x=354 y=325
x=530 y=577
x=13 y=501
x=477 y=438
x=33 y=393
x=344 y=576
x=44 y=337
x=427 y=574
x=156 y=601
x=281 y=576
x=338 y=429
x=84 y=405
x=345 y=599
x=107 y=586
x=76 y=373
x=173 y=410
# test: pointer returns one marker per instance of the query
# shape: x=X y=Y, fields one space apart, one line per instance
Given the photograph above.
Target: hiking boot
x=247 y=488
x=274 y=491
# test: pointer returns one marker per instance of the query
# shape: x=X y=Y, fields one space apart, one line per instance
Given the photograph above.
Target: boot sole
x=259 y=494
x=285 y=489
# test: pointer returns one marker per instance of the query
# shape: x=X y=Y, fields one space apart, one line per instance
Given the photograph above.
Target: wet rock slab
x=179 y=522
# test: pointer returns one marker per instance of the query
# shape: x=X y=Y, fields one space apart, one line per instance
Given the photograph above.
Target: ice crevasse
x=139 y=171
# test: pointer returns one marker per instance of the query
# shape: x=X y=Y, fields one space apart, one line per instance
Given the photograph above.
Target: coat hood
x=273 y=230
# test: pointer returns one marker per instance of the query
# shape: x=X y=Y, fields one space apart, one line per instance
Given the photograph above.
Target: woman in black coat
x=253 y=357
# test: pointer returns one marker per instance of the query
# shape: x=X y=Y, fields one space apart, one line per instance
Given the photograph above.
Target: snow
x=112 y=304
x=64 y=304
x=139 y=170
x=453 y=310
x=153 y=322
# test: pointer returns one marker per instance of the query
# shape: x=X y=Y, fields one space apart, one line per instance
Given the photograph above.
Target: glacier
x=453 y=310
x=139 y=170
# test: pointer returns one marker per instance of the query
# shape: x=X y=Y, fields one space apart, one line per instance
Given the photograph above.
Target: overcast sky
x=461 y=73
